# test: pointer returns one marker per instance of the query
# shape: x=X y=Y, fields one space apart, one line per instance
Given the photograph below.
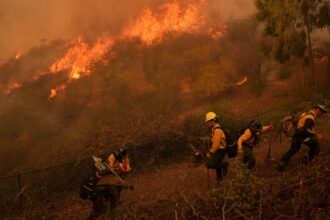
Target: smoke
x=230 y=10
x=24 y=24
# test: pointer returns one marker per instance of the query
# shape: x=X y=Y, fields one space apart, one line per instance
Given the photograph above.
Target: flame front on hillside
x=151 y=27
x=78 y=60
x=79 y=57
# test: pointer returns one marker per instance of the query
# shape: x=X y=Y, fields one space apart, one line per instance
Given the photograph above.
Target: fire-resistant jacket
x=218 y=139
x=250 y=139
x=306 y=122
x=116 y=163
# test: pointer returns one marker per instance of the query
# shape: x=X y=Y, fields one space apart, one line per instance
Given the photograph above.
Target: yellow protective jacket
x=248 y=138
x=115 y=164
x=306 y=122
x=218 y=139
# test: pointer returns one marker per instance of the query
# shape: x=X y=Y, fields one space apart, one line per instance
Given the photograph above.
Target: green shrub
x=242 y=187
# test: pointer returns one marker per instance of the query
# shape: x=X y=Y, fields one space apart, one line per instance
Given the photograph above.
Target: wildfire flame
x=18 y=55
x=54 y=92
x=218 y=31
x=243 y=81
x=12 y=86
x=78 y=60
x=151 y=27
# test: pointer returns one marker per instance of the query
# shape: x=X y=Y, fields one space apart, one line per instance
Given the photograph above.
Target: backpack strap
x=215 y=128
x=219 y=127
x=254 y=135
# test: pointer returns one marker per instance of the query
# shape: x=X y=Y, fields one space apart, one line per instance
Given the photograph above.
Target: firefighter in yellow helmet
x=249 y=138
x=217 y=151
x=304 y=134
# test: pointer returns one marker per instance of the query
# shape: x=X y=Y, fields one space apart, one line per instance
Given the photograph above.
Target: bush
x=241 y=188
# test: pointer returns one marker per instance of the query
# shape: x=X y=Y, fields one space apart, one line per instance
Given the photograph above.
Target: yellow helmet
x=210 y=116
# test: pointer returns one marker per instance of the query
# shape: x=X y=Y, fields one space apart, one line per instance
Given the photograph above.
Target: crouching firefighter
x=250 y=137
x=103 y=188
x=217 y=152
x=304 y=134
x=118 y=161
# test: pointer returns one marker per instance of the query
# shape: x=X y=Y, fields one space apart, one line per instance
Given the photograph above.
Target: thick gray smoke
x=26 y=23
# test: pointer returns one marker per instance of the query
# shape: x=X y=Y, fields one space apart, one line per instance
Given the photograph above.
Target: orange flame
x=243 y=81
x=78 y=60
x=53 y=93
x=151 y=27
x=18 y=55
x=217 y=32
x=58 y=89
x=12 y=86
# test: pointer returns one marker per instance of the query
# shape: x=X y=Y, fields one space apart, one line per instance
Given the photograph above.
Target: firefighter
x=107 y=196
x=104 y=186
x=118 y=162
x=217 y=152
x=248 y=139
x=304 y=134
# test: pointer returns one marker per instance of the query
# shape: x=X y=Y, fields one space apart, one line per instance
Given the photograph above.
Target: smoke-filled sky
x=26 y=23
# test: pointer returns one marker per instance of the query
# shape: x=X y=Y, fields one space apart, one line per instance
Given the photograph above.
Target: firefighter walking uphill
x=248 y=139
x=304 y=134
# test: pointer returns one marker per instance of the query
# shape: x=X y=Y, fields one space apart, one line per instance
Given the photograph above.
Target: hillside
x=45 y=102
x=181 y=189
x=142 y=75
